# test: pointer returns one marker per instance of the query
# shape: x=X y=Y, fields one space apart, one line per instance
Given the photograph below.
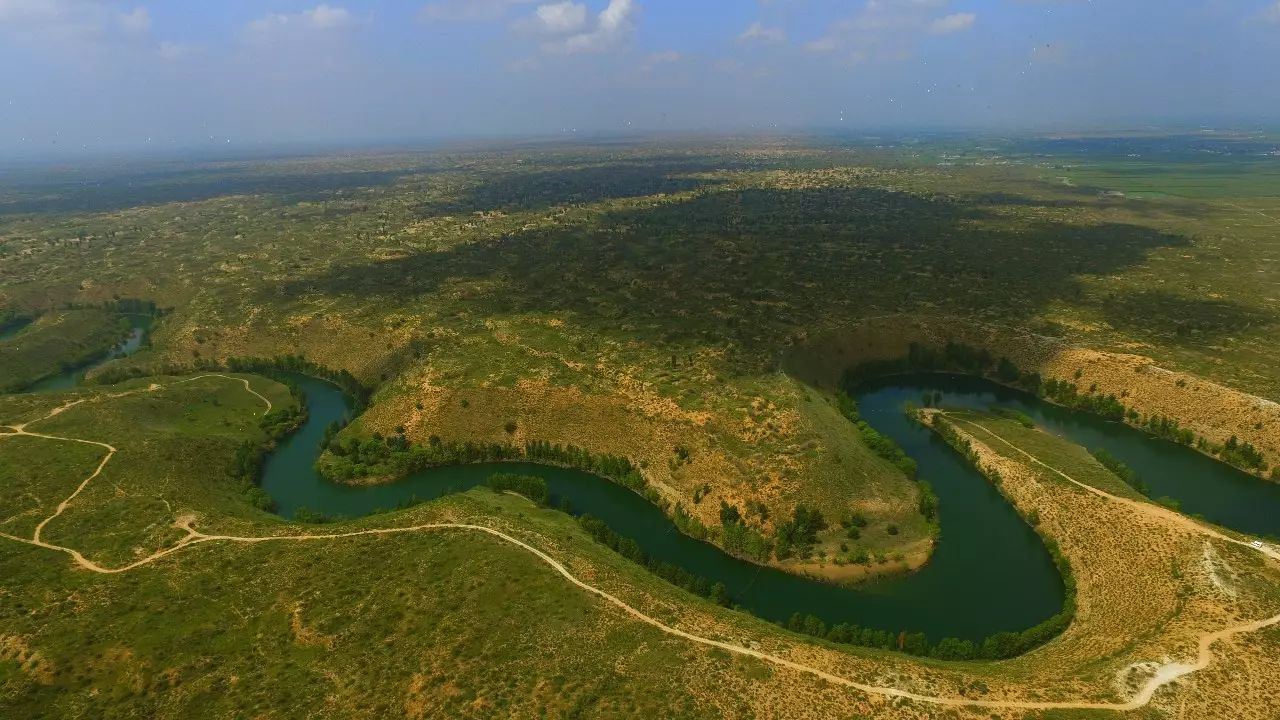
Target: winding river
x=69 y=378
x=989 y=572
x=13 y=327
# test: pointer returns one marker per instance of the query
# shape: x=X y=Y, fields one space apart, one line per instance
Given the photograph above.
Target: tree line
x=1120 y=470
x=271 y=367
x=245 y=466
x=396 y=456
x=530 y=486
x=1009 y=644
x=674 y=574
x=958 y=357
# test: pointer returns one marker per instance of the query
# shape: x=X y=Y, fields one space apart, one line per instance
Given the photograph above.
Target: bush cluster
x=246 y=465
x=674 y=574
x=1120 y=470
x=530 y=486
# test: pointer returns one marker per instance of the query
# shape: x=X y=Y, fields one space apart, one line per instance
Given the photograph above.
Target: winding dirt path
x=1162 y=514
x=1168 y=673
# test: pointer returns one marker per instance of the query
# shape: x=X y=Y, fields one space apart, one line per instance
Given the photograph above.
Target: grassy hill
x=56 y=341
x=638 y=301
x=422 y=621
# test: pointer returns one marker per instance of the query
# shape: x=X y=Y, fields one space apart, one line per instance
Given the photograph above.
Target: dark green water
x=67 y=379
x=1203 y=486
x=989 y=573
x=14 y=327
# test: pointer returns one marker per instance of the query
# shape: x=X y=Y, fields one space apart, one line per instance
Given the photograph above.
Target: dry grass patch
x=1207 y=408
x=1145 y=594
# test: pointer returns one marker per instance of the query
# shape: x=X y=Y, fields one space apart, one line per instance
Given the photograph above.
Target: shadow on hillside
x=545 y=188
x=1180 y=320
x=1002 y=198
x=70 y=195
x=745 y=270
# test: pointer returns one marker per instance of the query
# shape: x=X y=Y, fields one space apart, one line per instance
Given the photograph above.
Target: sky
x=86 y=75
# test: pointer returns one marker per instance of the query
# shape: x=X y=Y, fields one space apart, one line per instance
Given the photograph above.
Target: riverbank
x=1015 y=592
x=265 y=569
x=780 y=446
x=1131 y=600
x=50 y=351
x=1207 y=409
x=833 y=567
x=1174 y=472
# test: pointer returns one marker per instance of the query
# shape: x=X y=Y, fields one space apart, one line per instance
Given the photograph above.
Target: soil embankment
x=1207 y=408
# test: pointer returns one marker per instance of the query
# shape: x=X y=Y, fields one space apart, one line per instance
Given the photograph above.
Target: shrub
x=798 y=534
x=928 y=502
x=530 y=486
x=1120 y=470
x=1021 y=418
x=630 y=550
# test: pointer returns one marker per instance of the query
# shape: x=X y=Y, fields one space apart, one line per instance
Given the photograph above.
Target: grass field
x=456 y=624
x=191 y=430
x=1071 y=459
x=35 y=480
x=649 y=300
x=57 y=341
x=638 y=300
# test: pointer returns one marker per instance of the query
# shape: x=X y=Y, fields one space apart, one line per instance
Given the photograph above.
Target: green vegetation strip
x=966 y=359
x=58 y=342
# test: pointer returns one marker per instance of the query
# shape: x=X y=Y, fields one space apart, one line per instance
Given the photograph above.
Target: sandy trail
x=1252 y=210
x=1157 y=512
x=1166 y=674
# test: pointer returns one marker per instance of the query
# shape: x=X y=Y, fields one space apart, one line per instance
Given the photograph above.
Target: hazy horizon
x=126 y=77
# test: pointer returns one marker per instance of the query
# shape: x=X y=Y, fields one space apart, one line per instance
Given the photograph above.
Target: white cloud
x=327 y=16
x=70 y=28
x=27 y=12
x=468 y=10
x=172 y=51
x=267 y=24
x=757 y=32
x=562 y=17
x=136 y=22
x=1272 y=13
x=889 y=29
x=956 y=22
x=616 y=15
x=821 y=45
x=655 y=62
x=613 y=25
x=320 y=17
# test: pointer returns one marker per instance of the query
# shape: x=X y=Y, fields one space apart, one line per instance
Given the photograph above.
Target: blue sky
x=99 y=74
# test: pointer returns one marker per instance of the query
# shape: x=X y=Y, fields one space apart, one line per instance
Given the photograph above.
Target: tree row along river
x=70 y=377
x=989 y=572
